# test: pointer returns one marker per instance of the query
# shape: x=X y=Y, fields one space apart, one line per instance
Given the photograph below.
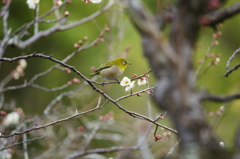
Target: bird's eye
x=124 y=62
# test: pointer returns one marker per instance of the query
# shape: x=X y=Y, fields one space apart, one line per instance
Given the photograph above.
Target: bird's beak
x=129 y=63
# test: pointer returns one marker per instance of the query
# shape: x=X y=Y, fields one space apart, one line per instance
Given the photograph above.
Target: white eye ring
x=124 y=62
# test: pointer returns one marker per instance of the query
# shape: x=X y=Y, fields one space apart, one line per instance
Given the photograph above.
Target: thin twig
x=221 y=99
x=230 y=70
x=101 y=150
x=133 y=94
x=54 y=122
x=18 y=143
x=150 y=70
x=133 y=114
x=25 y=148
x=209 y=49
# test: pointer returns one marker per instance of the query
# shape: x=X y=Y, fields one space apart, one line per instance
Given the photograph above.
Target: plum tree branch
x=218 y=16
x=133 y=114
x=215 y=98
x=101 y=150
x=18 y=143
x=54 y=122
x=228 y=69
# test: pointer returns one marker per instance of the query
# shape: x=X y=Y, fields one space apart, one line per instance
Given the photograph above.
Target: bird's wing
x=102 y=68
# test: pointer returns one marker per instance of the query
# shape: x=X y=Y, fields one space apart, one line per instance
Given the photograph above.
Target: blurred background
x=117 y=40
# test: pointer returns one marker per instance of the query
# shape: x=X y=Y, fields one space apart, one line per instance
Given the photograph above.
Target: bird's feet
x=118 y=81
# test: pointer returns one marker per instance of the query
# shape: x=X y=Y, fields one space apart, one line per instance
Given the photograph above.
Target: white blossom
x=11 y=119
x=130 y=86
x=32 y=3
x=142 y=81
x=59 y=2
x=96 y=1
x=125 y=81
x=23 y=63
x=221 y=144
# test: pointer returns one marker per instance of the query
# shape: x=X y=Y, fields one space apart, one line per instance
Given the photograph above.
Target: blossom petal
x=125 y=81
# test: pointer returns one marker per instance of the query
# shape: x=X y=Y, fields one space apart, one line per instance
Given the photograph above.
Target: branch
x=230 y=70
x=50 y=90
x=18 y=143
x=213 y=18
x=215 y=98
x=60 y=27
x=133 y=114
x=54 y=122
x=5 y=14
x=101 y=150
x=30 y=83
x=133 y=94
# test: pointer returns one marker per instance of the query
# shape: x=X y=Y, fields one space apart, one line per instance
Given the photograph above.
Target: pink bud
x=85 y=38
x=215 y=36
x=76 y=45
x=67 y=70
x=219 y=33
x=200 y=61
x=158 y=138
x=81 y=128
x=146 y=75
x=80 y=42
x=212 y=4
x=101 y=39
x=107 y=29
x=134 y=76
x=76 y=80
x=69 y=83
x=3 y=113
x=216 y=42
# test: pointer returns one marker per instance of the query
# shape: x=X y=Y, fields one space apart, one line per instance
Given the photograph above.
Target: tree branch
x=101 y=150
x=60 y=27
x=18 y=143
x=230 y=70
x=133 y=114
x=215 y=98
x=218 y=16
x=54 y=122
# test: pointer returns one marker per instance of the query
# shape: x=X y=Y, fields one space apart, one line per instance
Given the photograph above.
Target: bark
x=172 y=64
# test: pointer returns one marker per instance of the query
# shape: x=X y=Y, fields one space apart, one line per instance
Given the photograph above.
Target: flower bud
x=76 y=45
x=76 y=80
x=85 y=38
x=107 y=29
x=66 y=13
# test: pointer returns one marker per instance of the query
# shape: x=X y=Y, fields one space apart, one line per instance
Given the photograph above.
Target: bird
x=112 y=70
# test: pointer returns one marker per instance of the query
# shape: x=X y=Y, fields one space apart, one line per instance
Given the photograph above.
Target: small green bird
x=112 y=69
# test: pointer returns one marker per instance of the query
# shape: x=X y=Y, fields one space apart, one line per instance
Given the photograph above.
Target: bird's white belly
x=111 y=73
